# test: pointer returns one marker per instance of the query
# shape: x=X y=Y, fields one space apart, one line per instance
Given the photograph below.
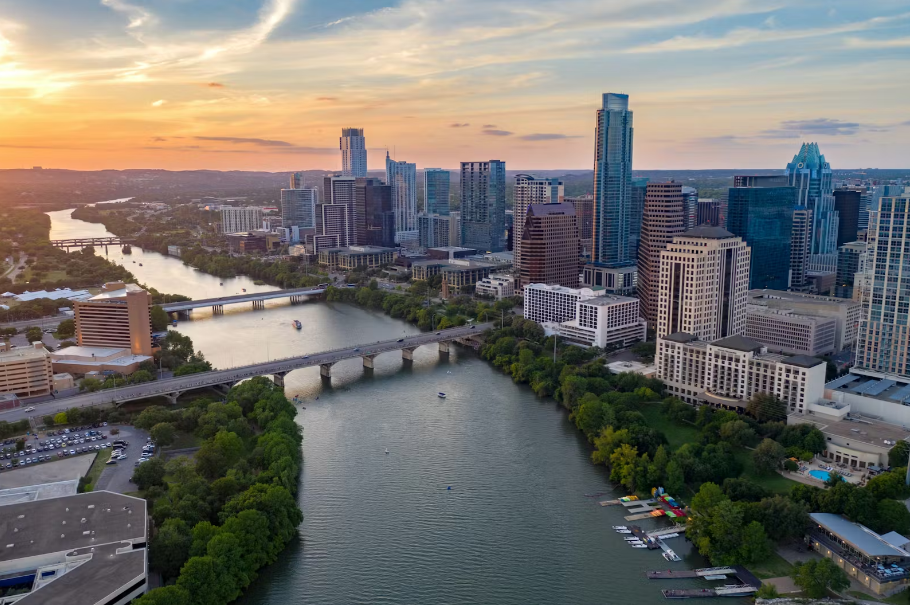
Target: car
x=30 y=408
x=438 y=333
x=400 y=340
x=111 y=462
x=356 y=350
x=472 y=327
x=97 y=448
x=72 y=452
x=103 y=424
x=28 y=460
x=60 y=454
x=121 y=457
x=141 y=460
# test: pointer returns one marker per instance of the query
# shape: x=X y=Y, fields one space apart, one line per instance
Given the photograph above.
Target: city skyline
x=267 y=85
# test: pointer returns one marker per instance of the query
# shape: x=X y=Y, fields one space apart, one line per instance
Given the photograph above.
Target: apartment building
x=237 y=219
x=663 y=219
x=118 y=318
x=846 y=312
x=547 y=303
x=26 y=371
x=784 y=331
x=357 y=256
x=496 y=286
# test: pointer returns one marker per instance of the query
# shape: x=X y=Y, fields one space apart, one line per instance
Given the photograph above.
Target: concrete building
x=450 y=252
x=434 y=230
x=851 y=259
x=458 y=274
x=348 y=258
x=353 y=152
x=784 y=331
x=800 y=249
x=812 y=177
x=26 y=371
x=298 y=209
x=549 y=303
x=726 y=373
x=255 y=242
x=531 y=190
x=80 y=361
x=86 y=548
x=402 y=177
x=847 y=203
x=118 y=318
x=235 y=219
x=621 y=281
x=664 y=218
x=846 y=312
x=639 y=193
x=496 y=286
x=708 y=212
x=483 y=205
x=436 y=186
x=703 y=284
x=455 y=230
x=549 y=246
x=602 y=321
x=690 y=206
x=336 y=215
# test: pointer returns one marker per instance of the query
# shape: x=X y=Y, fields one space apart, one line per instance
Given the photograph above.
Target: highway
x=240 y=298
x=176 y=386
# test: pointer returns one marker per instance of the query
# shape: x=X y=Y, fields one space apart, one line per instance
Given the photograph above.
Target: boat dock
x=667 y=531
x=639 y=533
x=702 y=593
x=747 y=583
x=690 y=573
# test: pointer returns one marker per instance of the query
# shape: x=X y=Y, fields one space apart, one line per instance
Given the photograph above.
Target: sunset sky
x=268 y=84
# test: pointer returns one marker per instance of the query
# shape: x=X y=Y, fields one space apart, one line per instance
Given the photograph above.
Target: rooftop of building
x=453 y=249
x=608 y=299
x=802 y=361
x=58 y=294
x=582 y=292
x=17 y=353
x=738 y=343
x=884 y=387
x=358 y=250
x=789 y=314
x=680 y=337
x=757 y=296
x=707 y=232
x=858 y=536
x=97 y=352
x=114 y=290
x=551 y=209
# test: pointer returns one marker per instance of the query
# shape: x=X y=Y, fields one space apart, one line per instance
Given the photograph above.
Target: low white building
x=788 y=332
x=543 y=303
x=726 y=373
x=496 y=286
x=603 y=320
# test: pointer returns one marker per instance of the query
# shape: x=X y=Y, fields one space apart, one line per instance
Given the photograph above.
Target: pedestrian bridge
x=277 y=369
x=81 y=242
x=257 y=298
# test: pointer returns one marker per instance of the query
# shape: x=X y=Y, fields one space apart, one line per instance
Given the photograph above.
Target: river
x=516 y=527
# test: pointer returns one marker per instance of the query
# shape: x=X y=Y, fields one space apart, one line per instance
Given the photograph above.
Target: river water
x=516 y=527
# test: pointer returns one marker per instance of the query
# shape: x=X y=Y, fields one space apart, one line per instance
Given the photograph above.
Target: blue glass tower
x=811 y=175
x=436 y=190
x=613 y=242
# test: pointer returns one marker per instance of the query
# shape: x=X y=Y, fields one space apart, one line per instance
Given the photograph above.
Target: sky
x=268 y=84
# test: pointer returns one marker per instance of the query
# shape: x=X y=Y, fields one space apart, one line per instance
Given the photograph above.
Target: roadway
x=179 y=385
x=240 y=298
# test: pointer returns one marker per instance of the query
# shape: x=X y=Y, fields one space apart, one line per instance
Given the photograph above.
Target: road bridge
x=257 y=298
x=81 y=242
x=277 y=369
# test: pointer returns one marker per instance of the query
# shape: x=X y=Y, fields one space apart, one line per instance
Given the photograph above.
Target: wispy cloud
x=214 y=85
x=159 y=103
x=247 y=141
x=879 y=43
x=546 y=136
x=496 y=133
x=459 y=125
x=327 y=99
x=137 y=15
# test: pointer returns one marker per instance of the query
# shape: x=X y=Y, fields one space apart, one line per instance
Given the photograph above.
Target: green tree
x=709 y=495
x=66 y=328
x=767 y=591
x=170 y=548
x=152 y=415
x=149 y=474
x=818 y=576
x=765 y=407
x=737 y=432
x=33 y=334
x=90 y=385
x=166 y=595
x=676 y=480
x=899 y=454
x=755 y=546
x=163 y=434
x=767 y=456
x=160 y=320
x=60 y=418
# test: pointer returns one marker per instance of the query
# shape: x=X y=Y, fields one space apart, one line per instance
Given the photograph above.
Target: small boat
x=140 y=264
x=297 y=324
x=221 y=283
x=639 y=546
x=624 y=531
x=631 y=539
x=386 y=450
x=441 y=395
x=174 y=323
x=620 y=527
x=244 y=289
x=134 y=262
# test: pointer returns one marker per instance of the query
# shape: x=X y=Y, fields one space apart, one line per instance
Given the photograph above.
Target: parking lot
x=51 y=447
x=116 y=477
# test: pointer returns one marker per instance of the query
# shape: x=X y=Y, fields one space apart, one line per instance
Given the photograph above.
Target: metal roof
x=839 y=382
x=858 y=536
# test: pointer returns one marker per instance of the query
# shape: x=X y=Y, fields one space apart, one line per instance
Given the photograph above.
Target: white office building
x=496 y=286
x=784 y=331
x=602 y=321
x=543 y=303
x=240 y=219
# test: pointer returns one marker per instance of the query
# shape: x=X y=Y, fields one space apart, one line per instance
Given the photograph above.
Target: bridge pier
x=258 y=305
x=172 y=397
x=217 y=309
x=407 y=354
x=278 y=378
x=444 y=346
x=325 y=370
x=368 y=361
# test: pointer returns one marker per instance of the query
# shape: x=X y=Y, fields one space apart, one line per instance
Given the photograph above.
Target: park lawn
x=774 y=482
x=185 y=441
x=94 y=471
x=50 y=277
x=677 y=434
x=774 y=566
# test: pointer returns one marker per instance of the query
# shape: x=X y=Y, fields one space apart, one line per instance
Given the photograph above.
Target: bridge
x=277 y=369
x=257 y=298
x=81 y=242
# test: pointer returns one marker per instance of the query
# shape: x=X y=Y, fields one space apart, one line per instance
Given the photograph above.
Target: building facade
x=402 y=176
x=664 y=218
x=298 y=208
x=812 y=177
x=763 y=216
x=584 y=214
x=235 y=219
x=531 y=190
x=784 y=331
x=703 y=284
x=847 y=203
x=336 y=215
x=851 y=259
x=603 y=321
x=357 y=256
x=26 y=371
x=690 y=206
x=708 y=213
x=496 y=286
x=436 y=186
x=612 y=246
x=483 y=205
x=434 y=230
x=847 y=313
x=639 y=193
x=119 y=317
x=374 y=219
x=546 y=303
x=800 y=249
x=549 y=246
x=353 y=152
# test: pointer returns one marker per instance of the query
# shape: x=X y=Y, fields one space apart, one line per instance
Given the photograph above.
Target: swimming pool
x=820 y=475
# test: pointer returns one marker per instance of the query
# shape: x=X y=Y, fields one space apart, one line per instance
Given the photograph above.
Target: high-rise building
x=483 y=205
x=584 y=214
x=374 y=219
x=708 y=212
x=455 y=228
x=639 y=190
x=800 y=249
x=851 y=259
x=436 y=185
x=549 y=246
x=239 y=219
x=691 y=205
x=763 y=216
x=402 y=176
x=298 y=181
x=298 y=208
x=704 y=284
x=531 y=190
x=862 y=219
x=884 y=332
x=336 y=216
x=847 y=203
x=664 y=218
x=434 y=230
x=119 y=317
x=612 y=244
x=353 y=152
x=812 y=177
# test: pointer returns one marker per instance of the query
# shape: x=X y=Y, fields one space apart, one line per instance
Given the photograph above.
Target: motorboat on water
x=243 y=289
x=631 y=539
x=297 y=324
x=624 y=531
x=140 y=264
x=441 y=395
x=386 y=450
x=639 y=546
x=620 y=527
x=221 y=283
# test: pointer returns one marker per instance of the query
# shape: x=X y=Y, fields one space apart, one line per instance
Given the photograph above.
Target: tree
x=737 y=432
x=60 y=418
x=765 y=407
x=163 y=433
x=170 y=548
x=709 y=495
x=90 y=385
x=152 y=415
x=818 y=576
x=767 y=591
x=899 y=454
x=166 y=595
x=755 y=544
x=160 y=319
x=149 y=474
x=33 y=334
x=767 y=455
x=66 y=328
x=739 y=489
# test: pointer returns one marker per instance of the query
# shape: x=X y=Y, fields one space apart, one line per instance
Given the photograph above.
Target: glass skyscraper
x=763 y=217
x=402 y=176
x=436 y=183
x=812 y=177
x=353 y=152
x=483 y=205
x=612 y=245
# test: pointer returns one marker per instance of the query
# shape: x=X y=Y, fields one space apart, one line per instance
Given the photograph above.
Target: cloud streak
x=546 y=136
x=496 y=133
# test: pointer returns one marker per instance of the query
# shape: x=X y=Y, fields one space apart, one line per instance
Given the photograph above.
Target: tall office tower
x=436 y=185
x=763 y=216
x=298 y=208
x=433 y=230
x=298 y=181
x=584 y=215
x=850 y=261
x=353 y=152
x=336 y=216
x=239 y=219
x=865 y=204
x=708 y=212
x=402 y=176
x=884 y=331
x=374 y=219
x=483 y=205
x=639 y=190
x=455 y=228
x=612 y=244
x=549 y=246
x=118 y=317
x=664 y=218
x=847 y=203
x=800 y=248
x=811 y=175
x=704 y=284
x=691 y=205
x=531 y=190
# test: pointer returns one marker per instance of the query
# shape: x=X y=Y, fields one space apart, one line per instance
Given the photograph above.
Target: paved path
x=116 y=477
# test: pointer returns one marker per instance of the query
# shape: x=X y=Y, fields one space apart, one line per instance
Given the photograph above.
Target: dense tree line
x=230 y=510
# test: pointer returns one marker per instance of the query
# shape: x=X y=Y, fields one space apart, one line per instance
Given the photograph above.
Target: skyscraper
x=531 y=190
x=436 y=185
x=851 y=259
x=800 y=248
x=691 y=205
x=812 y=177
x=763 y=216
x=639 y=190
x=708 y=212
x=483 y=205
x=374 y=220
x=549 y=246
x=337 y=215
x=704 y=284
x=353 y=152
x=298 y=181
x=612 y=245
x=237 y=219
x=402 y=176
x=298 y=211
x=884 y=332
x=664 y=218
x=434 y=230
x=847 y=203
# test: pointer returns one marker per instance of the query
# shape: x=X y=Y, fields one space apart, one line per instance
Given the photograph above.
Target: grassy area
x=97 y=466
x=774 y=482
x=774 y=566
x=184 y=441
x=677 y=434
x=901 y=598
